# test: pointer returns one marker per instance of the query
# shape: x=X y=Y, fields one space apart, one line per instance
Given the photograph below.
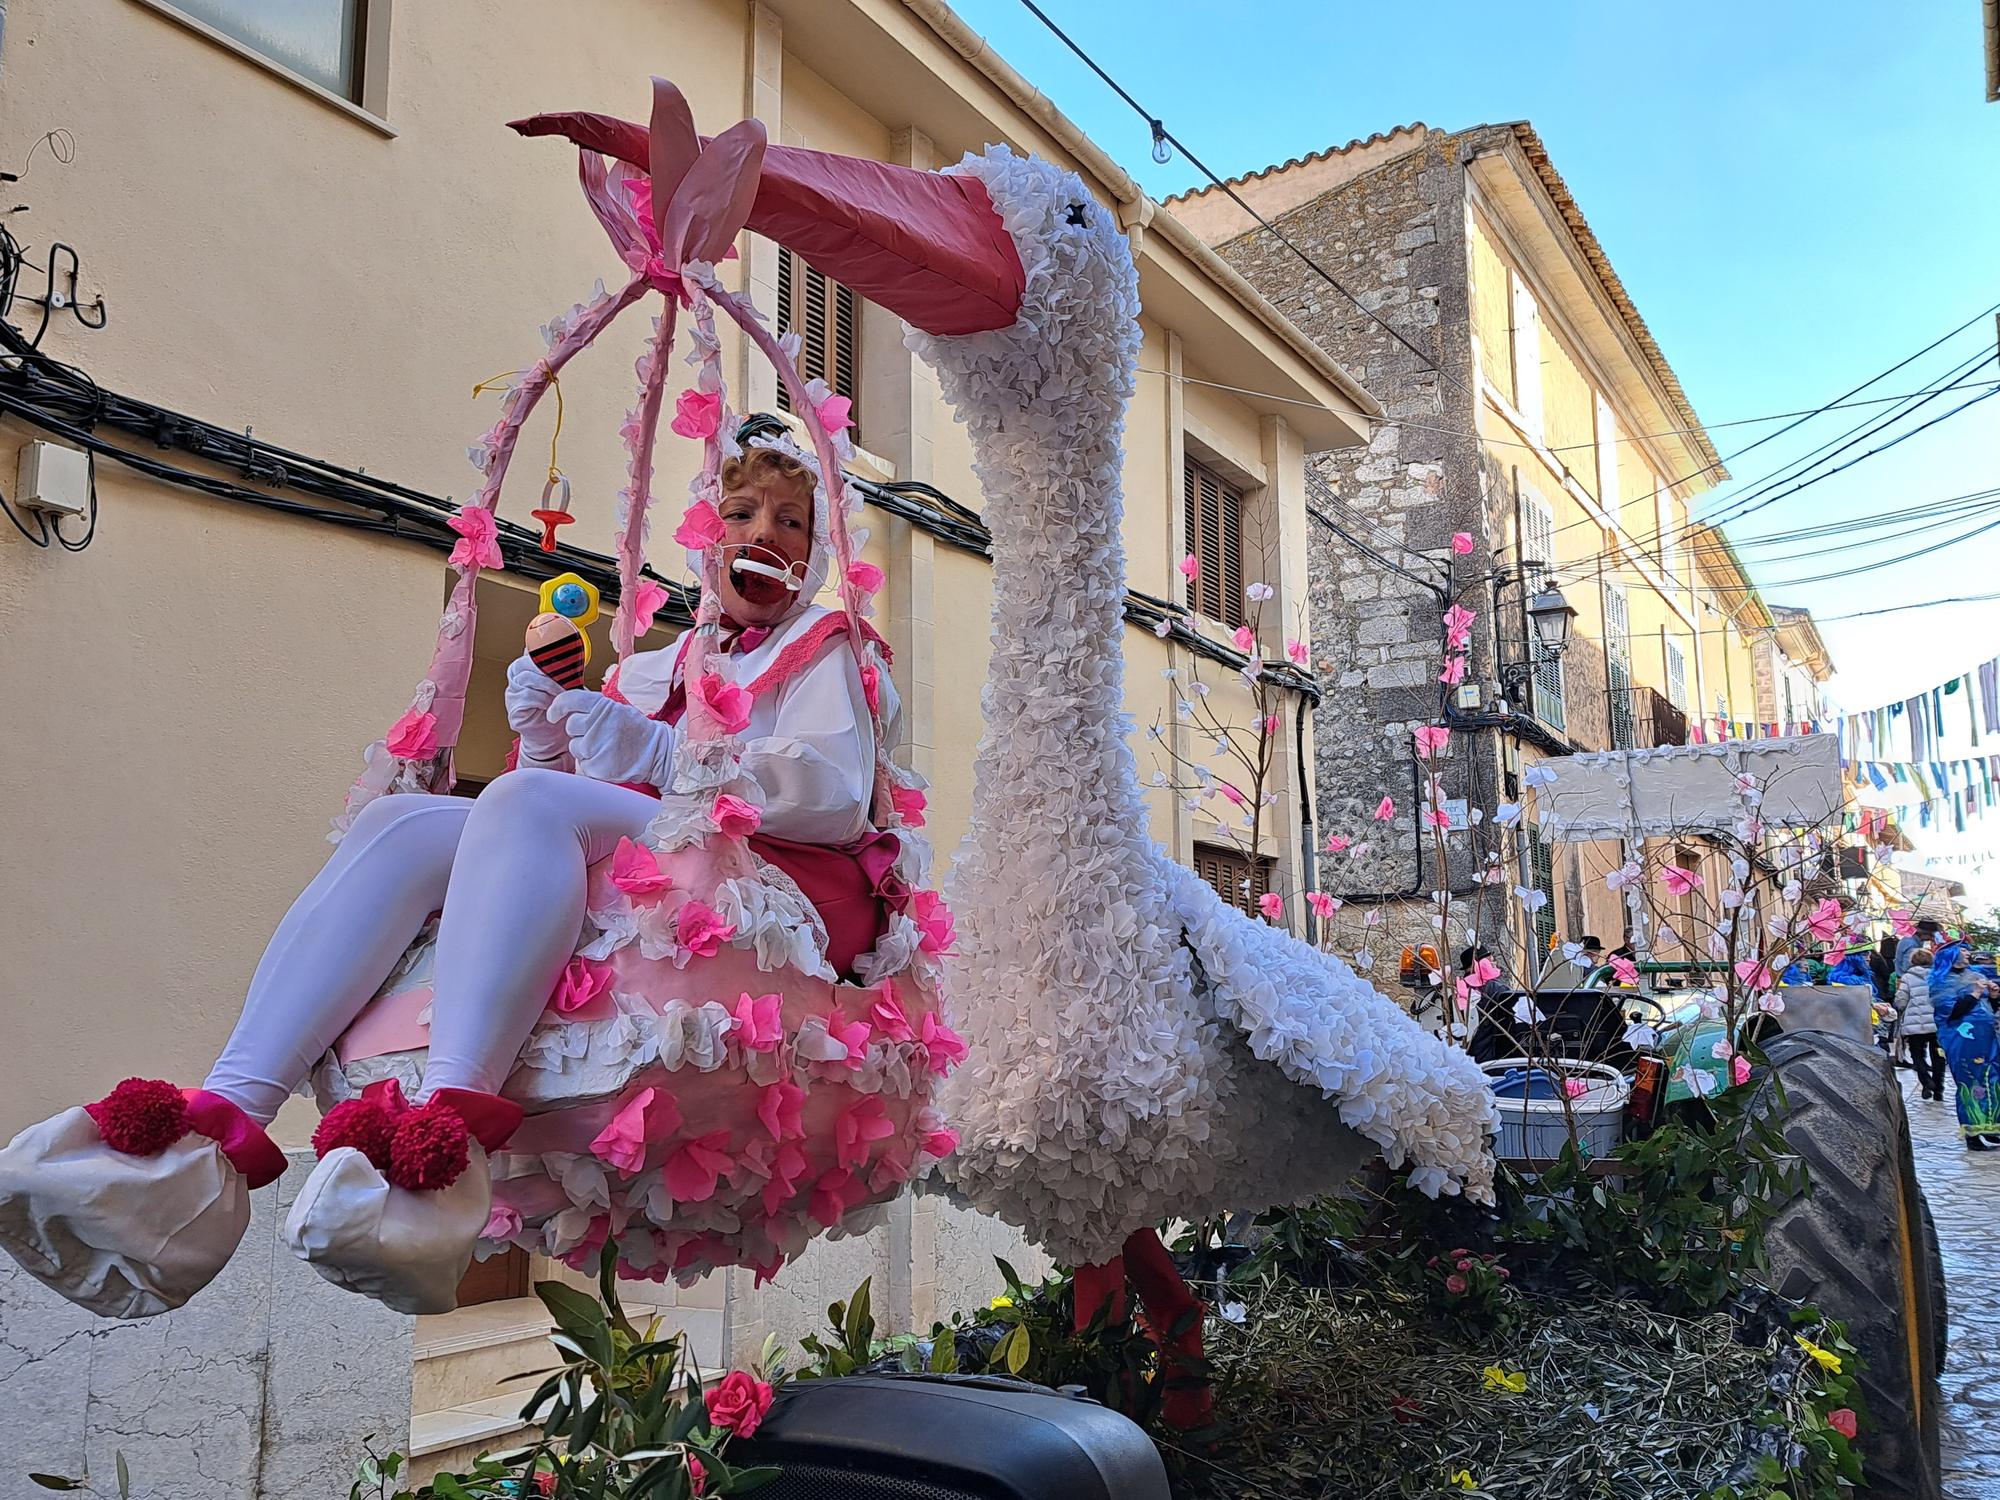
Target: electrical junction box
x=53 y=479
x=1468 y=695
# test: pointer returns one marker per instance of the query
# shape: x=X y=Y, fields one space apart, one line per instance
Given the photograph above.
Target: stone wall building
x=1528 y=407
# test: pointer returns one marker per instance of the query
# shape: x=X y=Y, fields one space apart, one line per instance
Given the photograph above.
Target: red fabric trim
x=490 y=1118
x=244 y=1144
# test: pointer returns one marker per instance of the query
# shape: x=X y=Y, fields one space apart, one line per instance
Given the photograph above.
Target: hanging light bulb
x=1163 y=151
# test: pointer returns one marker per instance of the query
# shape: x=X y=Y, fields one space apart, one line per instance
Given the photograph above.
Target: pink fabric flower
x=728 y=703
x=835 y=414
x=1270 y=724
x=646 y=601
x=1624 y=970
x=697 y=414
x=1385 y=809
x=701 y=526
x=865 y=576
x=1297 y=651
x=863 y=1122
x=940 y=1142
x=853 y=1035
x=699 y=928
x=650 y=1115
x=1903 y=924
x=1432 y=739
x=1575 y=1088
x=1272 y=905
x=734 y=818
x=910 y=805
x=1190 y=567
x=739 y=1404
x=760 y=1021
x=1755 y=973
x=788 y=1166
x=1824 y=923
x=781 y=1109
x=692 y=1172
x=635 y=870
x=832 y=1196
x=944 y=1047
x=1231 y=794
x=413 y=737
x=1679 y=880
x=478 y=544
x=1841 y=1419
x=1482 y=973
x=1461 y=542
x=1739 y=1069
x=1321 y=904
x=933 y=919
x=1245 y=638
x=697 y=1476
x=871 y=688
x=583 y=980
x=1336 y=843
x=1437 y=817
x=886 y=1015
x=502 y=1223
x=1454 y=671
x=1834 y=954
x=1458 y=626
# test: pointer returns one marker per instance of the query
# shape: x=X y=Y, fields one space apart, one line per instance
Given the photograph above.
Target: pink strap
x=244 y=1144
x=795 y=656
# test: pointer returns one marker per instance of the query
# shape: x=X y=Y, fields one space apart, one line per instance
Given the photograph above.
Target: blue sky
x=1796 y=196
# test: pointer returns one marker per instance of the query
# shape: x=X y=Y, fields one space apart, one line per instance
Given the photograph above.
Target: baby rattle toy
x=556 y=642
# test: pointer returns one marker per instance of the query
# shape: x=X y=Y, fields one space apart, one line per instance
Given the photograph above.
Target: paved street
x=1964 y=1192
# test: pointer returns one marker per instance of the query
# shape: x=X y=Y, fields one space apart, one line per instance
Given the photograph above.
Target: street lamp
x=1549 y=615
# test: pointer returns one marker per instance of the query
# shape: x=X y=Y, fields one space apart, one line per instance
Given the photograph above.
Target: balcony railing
x=1642 y=718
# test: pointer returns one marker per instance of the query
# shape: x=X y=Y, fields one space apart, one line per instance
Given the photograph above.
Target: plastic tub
x=1533 y=1124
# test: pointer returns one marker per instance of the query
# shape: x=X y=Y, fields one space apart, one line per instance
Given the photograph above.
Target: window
x=1215 y=539
x=1607 y=459
x=1618 y=667
x=826 y=317
x=1527 y=356
x=320 y=40
x=1541 y=876
x=1677 y=676
x=1538 y=547
x=1233 y=875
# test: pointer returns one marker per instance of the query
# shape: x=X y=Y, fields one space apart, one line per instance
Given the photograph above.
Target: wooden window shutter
x=1233 y=875
x=827 y=318
x=1215 y=538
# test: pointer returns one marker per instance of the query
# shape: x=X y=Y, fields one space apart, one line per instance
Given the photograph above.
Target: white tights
x=507 y=871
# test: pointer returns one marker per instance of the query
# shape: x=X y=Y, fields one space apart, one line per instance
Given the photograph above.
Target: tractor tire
x=1934 y=1261
x=1854 y=1244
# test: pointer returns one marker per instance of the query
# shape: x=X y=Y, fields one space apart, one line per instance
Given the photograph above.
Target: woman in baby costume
x=680 y=994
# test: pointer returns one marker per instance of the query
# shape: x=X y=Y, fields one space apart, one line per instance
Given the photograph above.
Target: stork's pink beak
x=926 y=246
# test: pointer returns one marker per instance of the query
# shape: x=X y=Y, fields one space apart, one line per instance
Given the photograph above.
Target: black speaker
x=946 y=1437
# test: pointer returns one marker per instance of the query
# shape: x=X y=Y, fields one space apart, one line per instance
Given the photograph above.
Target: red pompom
x=430 y=1148
x=365 y=1124
x=141 y=1117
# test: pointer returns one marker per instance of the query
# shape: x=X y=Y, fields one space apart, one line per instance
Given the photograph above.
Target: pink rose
x=865 y=576
x=1321 y=904
x=725 y=701
x=1461 y=542
x=478 y=544
x=583 y=980
x=910 y=805
x=699 y=928
x=697 y=414
x=1455 y=1284
x=701 y=527
x=636 y=871
x=697 y=1475
x=734 y=818
x=1841 y=1420
x=413 y=737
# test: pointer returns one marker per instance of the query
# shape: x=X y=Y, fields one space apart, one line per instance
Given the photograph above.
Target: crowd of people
x=1944 y=1025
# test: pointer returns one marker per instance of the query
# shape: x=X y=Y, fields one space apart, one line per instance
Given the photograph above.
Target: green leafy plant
x=1678 y=1217
x=1808 y=1448
x=624 y=1417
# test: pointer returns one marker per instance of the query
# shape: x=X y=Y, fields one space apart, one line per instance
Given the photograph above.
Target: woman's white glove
x=613 y=741
x=530 y=691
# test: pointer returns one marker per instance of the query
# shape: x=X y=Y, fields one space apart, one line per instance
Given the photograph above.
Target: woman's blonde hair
x=765 y=466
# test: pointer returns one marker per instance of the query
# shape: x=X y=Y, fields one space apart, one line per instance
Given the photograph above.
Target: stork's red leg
x=1169 y=1304
x=1100 y=1286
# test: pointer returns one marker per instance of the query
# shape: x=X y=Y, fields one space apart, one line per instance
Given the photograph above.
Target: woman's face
x=768 y=520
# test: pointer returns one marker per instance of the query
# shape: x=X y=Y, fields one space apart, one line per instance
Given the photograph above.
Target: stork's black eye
x=1076 y=214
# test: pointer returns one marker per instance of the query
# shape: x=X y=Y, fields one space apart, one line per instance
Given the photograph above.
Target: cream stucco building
x=324 y=237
